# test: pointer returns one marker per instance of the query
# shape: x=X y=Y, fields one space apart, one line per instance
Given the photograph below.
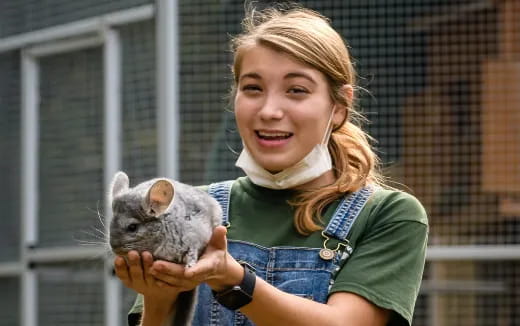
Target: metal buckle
x=327 y=253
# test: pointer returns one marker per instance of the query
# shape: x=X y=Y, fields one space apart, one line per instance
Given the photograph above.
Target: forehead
x=268 y=62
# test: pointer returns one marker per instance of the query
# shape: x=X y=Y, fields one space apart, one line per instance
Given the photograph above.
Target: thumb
x=218 y=238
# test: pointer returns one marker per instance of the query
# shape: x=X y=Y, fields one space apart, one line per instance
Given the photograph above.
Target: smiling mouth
x=273 y=135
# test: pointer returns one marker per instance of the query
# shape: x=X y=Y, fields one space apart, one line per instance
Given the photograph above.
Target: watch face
x=239 y=295
x=234 y=298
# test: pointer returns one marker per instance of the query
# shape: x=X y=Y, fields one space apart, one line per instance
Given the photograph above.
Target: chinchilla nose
x=114 y=242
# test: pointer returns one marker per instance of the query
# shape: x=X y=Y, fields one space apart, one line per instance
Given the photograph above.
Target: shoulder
x=391 y=206
x=389 y=213
x=389 y=243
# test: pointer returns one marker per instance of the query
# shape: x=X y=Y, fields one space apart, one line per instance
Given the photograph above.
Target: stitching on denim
x=271 y=264
x=214 y=315
x=221 y=191
x=347 y=212
x=240 y=318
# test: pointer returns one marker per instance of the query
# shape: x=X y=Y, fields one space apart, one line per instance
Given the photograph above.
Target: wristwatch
x=239 y=295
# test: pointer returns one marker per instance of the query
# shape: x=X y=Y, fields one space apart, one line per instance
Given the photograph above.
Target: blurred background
x=92 y=86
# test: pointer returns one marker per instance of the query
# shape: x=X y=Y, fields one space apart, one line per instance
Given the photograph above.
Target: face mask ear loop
x=328 y=132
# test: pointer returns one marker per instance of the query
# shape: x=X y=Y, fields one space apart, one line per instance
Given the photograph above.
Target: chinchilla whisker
x=100 y=216
x=90 y=243
x=104 y=253
x=101 y=232
x=104 y=247
x=98 y=234
x=97 y=212
x=90 y=238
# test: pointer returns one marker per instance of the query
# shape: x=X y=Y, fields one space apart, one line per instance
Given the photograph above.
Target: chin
x=273 y=162
x=274 y=168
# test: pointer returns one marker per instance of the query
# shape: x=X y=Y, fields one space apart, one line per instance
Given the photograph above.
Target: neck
x=325 y=179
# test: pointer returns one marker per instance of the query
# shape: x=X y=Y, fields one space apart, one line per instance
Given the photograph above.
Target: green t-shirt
x=389 y=238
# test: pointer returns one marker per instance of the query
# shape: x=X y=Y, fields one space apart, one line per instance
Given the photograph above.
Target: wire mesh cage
x=438 y=81
x=10 y=152
x=70 y=293
x=10 y=287
x=71 y=144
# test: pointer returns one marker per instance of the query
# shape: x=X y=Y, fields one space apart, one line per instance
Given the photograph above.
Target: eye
x=251 y=88
x=297 y=90
x=132 y=227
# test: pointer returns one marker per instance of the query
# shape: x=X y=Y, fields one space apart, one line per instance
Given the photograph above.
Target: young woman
x=312 y=237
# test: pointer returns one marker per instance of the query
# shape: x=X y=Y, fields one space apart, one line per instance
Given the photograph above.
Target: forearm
x=157 y=312
x=271 y=306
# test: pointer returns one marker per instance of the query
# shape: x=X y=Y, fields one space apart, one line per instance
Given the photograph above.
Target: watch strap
x=239 y=295
x=249 y=281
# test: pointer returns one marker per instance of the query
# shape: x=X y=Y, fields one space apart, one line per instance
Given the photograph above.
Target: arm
x=271 y=306
x=156 y=312
x=159 y=298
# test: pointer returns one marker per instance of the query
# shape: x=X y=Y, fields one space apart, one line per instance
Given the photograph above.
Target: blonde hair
x=309 y=38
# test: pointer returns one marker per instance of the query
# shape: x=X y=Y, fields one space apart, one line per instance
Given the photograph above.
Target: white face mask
x=313 y=165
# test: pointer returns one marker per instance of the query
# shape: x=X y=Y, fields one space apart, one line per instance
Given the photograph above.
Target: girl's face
x=282 y=107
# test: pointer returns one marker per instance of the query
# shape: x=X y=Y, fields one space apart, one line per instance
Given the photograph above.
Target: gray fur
x=177 y=230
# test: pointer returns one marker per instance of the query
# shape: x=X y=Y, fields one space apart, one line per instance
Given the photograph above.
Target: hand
x=135 y=274
x=211 y=263
x=216 y=266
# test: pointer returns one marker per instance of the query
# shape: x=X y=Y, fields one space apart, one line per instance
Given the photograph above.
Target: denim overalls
x=305 y=272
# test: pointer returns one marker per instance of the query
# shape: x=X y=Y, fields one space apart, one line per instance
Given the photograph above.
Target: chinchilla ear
x=159 y=197
x=119 y=184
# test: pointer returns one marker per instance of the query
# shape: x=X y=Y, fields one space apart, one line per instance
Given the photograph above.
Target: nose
x=271 y=109
x=115 y=244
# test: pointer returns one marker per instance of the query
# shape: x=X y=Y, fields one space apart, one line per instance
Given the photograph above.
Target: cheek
x=242 y=116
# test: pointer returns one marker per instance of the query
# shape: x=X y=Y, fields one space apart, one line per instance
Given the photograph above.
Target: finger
x=218 y=238
x=172 y=280
x=147 y=261
x=204 y=268
x=167 y=268
x=121 y=270
x=168 y=272
x=165 y=285
x=135 y=266
x=209 y=261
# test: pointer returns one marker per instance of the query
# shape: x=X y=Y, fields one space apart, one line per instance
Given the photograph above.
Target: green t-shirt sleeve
x=387 y=264
x=134 y=315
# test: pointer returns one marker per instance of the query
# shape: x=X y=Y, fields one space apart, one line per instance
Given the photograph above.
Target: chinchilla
x=171 y=220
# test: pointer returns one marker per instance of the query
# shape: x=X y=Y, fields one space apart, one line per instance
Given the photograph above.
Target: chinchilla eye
x=132 y=227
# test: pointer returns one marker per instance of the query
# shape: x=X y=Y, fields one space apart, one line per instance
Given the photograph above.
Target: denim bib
x=305 y=272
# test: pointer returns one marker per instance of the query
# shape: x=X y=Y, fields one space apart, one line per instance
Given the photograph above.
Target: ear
x=340 y=111
x=119 y=184
x=159 y=197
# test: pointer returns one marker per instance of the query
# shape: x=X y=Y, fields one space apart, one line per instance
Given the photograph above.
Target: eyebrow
x=300 y=75
x=290 y=75
x=253 y=75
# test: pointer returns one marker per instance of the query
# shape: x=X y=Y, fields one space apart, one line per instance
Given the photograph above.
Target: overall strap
x=221 y=191
x=347 y=212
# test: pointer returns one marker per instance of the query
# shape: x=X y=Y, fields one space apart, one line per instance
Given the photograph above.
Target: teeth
x=273 y=134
